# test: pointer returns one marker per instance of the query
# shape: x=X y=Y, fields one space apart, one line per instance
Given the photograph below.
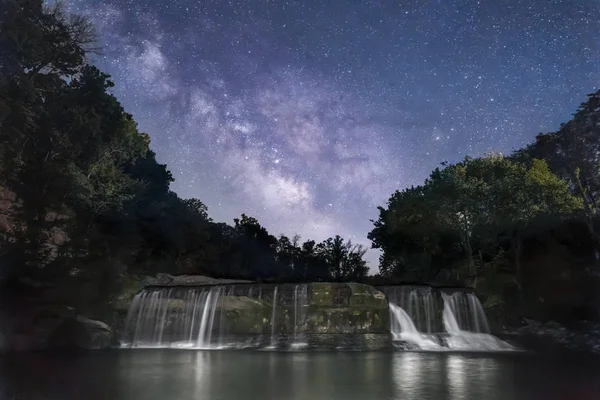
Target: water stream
x=273 y=318
x=463 y=327
x=403 y=329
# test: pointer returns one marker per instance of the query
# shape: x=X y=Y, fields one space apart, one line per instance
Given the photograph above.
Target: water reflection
x=163 y=374
x=449 y=376
x=456 y=371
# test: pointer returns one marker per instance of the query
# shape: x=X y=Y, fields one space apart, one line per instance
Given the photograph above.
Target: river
x=229 y=375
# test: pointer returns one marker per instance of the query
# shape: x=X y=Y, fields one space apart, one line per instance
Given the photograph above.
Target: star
x=346 y=94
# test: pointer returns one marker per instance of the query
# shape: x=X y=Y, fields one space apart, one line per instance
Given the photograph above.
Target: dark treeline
x=81 y=193
x=523 y=229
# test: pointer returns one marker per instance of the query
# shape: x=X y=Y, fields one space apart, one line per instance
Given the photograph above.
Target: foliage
x=489 y=221
x=90 y=200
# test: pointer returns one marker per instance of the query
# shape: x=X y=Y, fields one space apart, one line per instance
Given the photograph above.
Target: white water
x=273 y=315
x=419 y=302
x=300 y=308
x=459 y=339
x=179 y=318
x=468 y=312
x=201 y=317
x=473 y=337
x=403 y=329
x=450 y=322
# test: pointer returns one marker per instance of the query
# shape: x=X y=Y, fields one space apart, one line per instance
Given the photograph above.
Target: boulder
x=551 y=335
x=82 y=332
x=54 y=327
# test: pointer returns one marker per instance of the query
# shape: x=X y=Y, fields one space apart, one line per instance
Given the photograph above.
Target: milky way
x=308 y=115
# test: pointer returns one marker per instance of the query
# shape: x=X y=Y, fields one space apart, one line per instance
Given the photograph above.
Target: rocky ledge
x=536 y=335
x=53 y=327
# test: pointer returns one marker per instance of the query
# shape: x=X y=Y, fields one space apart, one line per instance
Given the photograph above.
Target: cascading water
x=198 y=317
x=428 y=319
x=273 y=318
x=403 y=329
x=288 y=316
x=470 y=316
x=167 y=316
x=468 y=312
x=419 y=303
x=300 y=313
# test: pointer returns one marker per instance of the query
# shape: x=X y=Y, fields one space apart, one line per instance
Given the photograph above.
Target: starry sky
x=308 y=115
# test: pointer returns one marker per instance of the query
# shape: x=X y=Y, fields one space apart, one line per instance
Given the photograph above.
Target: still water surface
x=228 y=375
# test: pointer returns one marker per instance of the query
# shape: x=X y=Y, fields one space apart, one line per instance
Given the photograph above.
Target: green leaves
x=464 y=204
x=573 y=152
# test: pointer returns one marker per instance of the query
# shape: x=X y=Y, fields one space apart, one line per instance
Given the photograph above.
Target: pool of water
x=225 y=375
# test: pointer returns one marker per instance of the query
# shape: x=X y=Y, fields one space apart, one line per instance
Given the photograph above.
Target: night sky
x=308 y=115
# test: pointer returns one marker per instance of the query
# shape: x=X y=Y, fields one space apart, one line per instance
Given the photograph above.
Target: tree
x=344 y=259
x=573 y=154
x=465 y=204
x=89 y=201
x=258 y=248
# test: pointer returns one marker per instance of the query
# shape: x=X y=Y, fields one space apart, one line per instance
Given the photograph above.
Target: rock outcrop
x=53 y=327
x=553 y=336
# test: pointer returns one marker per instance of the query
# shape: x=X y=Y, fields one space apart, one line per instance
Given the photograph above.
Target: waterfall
x=403 y=328
x=420 y=303
x=295 y=311
x=300 y=313
x=470 y=315
x=210 y=316
x=273 y=315
x=300 y=305
x=450 y=322
x=468 y=312
x=165 y=317
x=293 y=316
x=428 y=319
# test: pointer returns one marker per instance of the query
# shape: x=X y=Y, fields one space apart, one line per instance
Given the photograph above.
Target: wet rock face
x=325 y=308
x=346 y=308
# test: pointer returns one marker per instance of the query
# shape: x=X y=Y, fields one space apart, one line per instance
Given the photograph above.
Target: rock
x=163 y=279
x=551 y=334
x=246 y=315
x=81 y=332
x=95 y=334
x=346 y=308
x=54 y=327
